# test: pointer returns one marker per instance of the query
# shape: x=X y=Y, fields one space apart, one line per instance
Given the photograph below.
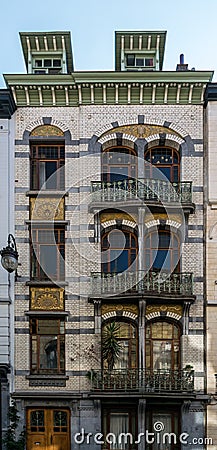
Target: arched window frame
x=132 y=250
x=161 y=364
x=130 y=166
x=153 y=162
x=151 y=252
x=132 y=359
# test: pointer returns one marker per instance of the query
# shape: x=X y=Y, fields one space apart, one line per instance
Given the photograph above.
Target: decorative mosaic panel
x=175 y=309
x=114 y=307
x=47 y=130
x=142 y=131
x=47 y=299
x=47 y=208
x=156 y=216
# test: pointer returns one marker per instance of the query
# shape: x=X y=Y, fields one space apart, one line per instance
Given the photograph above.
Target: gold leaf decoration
x=47 y=130
x=47 y=299
x=142 y=131
x=114 y=307
x=42 y=208
x=175 y=309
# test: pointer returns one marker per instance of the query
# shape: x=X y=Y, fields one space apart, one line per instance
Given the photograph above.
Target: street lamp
x=9 y=255
x=9 y=261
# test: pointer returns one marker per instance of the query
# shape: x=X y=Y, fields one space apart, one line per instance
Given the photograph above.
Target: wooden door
x=48 y=429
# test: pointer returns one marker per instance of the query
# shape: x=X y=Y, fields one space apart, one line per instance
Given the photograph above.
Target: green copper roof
x=139 y=40
x=48 y=42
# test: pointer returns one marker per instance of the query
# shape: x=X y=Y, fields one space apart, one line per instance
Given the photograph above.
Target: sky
x=191 y=27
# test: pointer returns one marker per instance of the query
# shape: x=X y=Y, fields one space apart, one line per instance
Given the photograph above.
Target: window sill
x=45 y=283
x=46 y=193
x=50 y=313
x=47 y=380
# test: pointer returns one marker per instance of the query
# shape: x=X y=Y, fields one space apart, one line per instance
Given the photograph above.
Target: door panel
x=48 y=429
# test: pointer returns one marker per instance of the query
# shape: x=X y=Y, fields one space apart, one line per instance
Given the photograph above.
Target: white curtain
x=42 y=174
x=166 y=420
x=119 y=423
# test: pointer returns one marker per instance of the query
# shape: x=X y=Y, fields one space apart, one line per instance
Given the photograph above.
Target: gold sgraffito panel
x=47 y=299
x=142 y=131
x=104 y=217
x=114 y=307
x=47 y=130
x=176 y=309
x=156 y=216
x=47 y=208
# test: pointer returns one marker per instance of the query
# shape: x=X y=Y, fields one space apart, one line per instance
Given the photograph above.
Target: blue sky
x=191 y=29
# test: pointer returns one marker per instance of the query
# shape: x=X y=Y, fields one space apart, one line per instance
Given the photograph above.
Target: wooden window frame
x=36 y=159
x=106 y=167
x=152 y=251
x=174 y=340
x=130 y=250
x=60 y=336
x=149 y=167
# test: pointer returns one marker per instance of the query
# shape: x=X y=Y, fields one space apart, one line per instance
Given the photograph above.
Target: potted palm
x=111 y=347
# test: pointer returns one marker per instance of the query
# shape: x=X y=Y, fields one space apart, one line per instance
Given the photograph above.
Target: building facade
x=211 y=239
x=109 y=304
x=7 y=119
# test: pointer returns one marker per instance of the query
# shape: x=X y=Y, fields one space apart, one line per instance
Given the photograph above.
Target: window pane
x=130 y=60
x=57 y=63
x=48 y=326
x=47 y=63
x=139 y=62
x=48 y=259
x=48 y=352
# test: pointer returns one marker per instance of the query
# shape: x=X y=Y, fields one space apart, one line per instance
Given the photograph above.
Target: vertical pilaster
x=141 y=423
x=142 y=306
x=141 y=240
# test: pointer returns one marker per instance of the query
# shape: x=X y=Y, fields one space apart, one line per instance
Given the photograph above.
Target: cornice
x=100 y=88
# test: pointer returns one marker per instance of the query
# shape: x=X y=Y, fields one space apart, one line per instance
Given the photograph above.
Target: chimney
x=181 y=66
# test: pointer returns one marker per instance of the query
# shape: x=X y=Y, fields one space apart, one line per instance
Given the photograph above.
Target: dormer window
x=47 y=65
x=137 y=61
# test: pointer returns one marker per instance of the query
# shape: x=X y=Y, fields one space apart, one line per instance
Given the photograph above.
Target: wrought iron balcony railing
x=142 y=282
x=145 y=380
x=145 y=190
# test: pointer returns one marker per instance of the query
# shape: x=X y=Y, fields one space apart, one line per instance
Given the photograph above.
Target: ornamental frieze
x=105 y=217
x=172 y=311
x=47 y=299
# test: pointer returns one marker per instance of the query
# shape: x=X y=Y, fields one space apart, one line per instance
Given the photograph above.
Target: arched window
x=162 y=346
x=125 y=334
x=165 y=159
x=119 y=251
x=162 y=250
x=118 y=164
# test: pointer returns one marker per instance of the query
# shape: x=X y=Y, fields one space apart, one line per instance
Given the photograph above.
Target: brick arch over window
x=48 y=128
x=143 y=134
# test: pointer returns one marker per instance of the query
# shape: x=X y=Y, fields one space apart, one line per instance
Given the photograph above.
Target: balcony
x=147 y=381
x=149 y=191
x=141 y=282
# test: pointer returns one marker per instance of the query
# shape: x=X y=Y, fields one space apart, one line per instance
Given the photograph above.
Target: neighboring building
x=7 y=109
x=210 y=185
x=108 y=241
